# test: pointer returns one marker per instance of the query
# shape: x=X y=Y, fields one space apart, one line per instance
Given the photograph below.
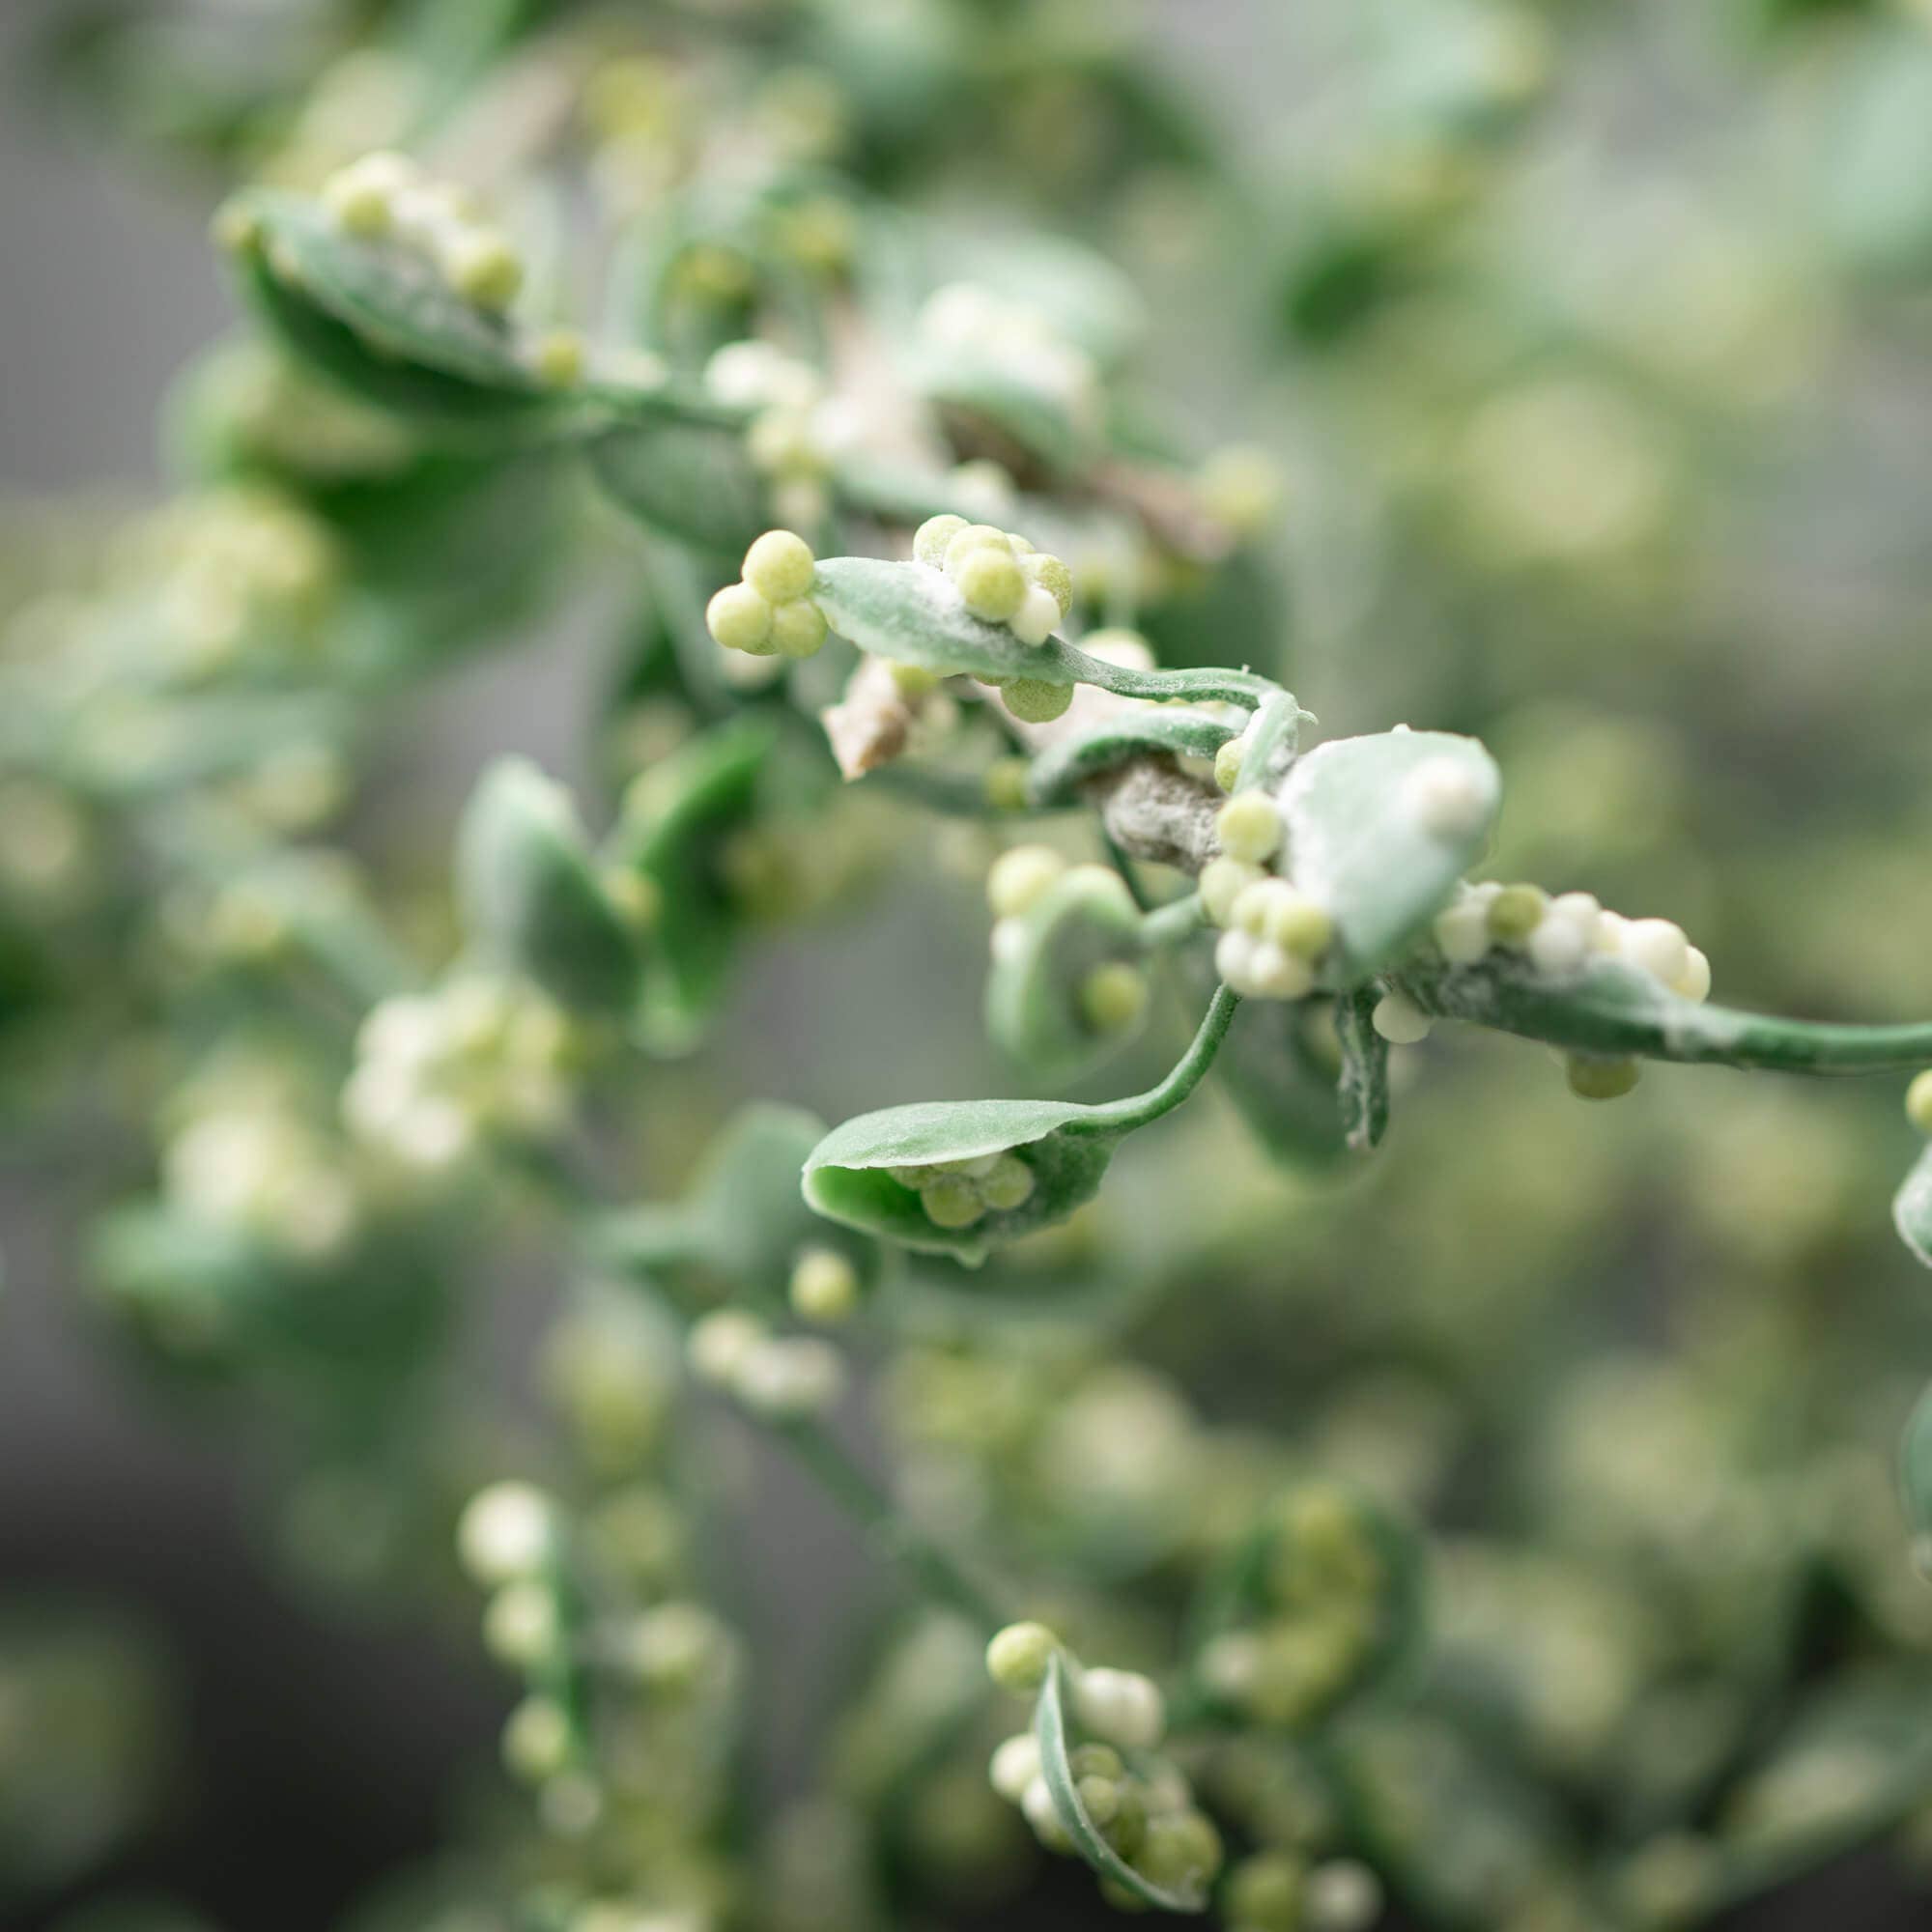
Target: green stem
x=1140 y=1110
x=1170 y=925
x=1617 y=1012
x=868 y=1505
x=1192 y=687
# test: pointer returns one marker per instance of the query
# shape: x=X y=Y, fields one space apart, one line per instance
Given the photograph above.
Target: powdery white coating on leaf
x=1358 y=846
x=930 y=1131
x=912 y=614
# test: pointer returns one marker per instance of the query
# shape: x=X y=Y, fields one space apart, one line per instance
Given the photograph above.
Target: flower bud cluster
x=253 y=1164
x=1002 y=579
x=965 y=325
x=1559 y=937
x=231 y=572
x=438 y=1073
x=1145 y=1811
x=770 y=612
x=1323 y=1609
x=1275 y=936
x=387 y=195
x=961 y=1193
x=777 y=1378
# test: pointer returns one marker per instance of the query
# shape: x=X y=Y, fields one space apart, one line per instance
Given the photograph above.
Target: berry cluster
x=770 y=611
x=958 y=1193
x=387 y=195
x=1002 y=579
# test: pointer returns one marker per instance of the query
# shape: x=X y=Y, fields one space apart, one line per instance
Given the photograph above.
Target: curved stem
x=861 y=1499
x=1621 y=1013
x=1139 y=1110
x=1195 y=686
x=1170 y=925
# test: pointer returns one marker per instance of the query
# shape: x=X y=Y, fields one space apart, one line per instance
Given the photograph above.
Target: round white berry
x=1658 y=947
x=1014 y=1767
x=1121 y=1707
x=506 y=1532
x=1400 y=1020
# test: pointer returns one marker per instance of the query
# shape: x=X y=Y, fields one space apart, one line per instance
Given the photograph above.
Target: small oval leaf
x=1363 y=843
x=530 y=894
x=379 y=320
x=855 y=1173
x=912 y=613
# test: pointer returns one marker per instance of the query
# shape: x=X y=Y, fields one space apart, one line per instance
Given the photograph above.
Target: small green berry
x=558 y=359
x=990 y=583
x=483 y=268
x=1594 y=1078
x=824 y=1286
x=1008 y=1185
x=1180 y=1853
x=1266 y=1892
x=1017 y=1657
x=1047 y=571
x=1516 y=912
x=1033 y=700
x=779 y=566
x=970 y=538
x=952 y=1202
x=1228 y=764
x=1918 y=1101
x=798 y=628
x=536 y=1740
x=1249 y=828
x=1020 y=877
x=1007 y=784
x=1113 y=997
x=932 y=537
x=741 y=621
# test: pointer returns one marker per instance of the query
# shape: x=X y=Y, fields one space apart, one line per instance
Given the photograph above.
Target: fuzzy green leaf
x=685 y=469
x=381 y=321
x=850 y=1178
x=1360 y=846
x=1035 y=1009
x=1282 y=1087
x=677 y=826
x=911 y=614
x=530 y=892
x=1049 y=1729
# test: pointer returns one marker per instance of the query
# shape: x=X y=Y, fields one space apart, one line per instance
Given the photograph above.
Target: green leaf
x=1049 y=1729
x=1035 y=1011
x=743 y=1223
x=678 y=822
x=1912 y=1209
x=1281 y=1085
x=850 y=1177
x=1360 y=844
x=1054 y=778
x=875 y=1173
x=1362 y=1090
x=530 y=894
x=911 y=614
x=686 y=471
x=378 y=319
